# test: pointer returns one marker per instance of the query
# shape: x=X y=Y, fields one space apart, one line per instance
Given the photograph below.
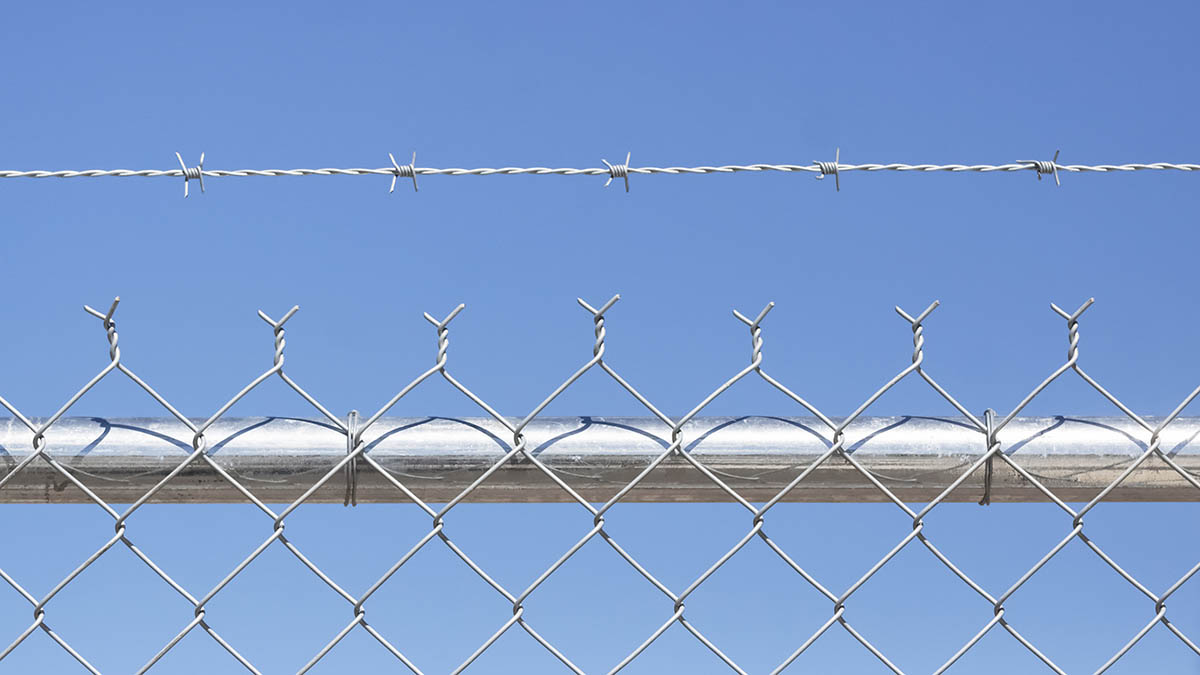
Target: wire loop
x=351 y=468
x=989 y=420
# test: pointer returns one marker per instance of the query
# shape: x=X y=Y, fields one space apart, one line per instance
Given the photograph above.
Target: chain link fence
x=678 y=452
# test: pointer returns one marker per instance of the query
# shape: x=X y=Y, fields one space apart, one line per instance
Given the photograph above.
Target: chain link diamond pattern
x=516 y=451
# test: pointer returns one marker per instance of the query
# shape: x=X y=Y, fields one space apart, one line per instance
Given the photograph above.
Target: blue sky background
x=314 y=84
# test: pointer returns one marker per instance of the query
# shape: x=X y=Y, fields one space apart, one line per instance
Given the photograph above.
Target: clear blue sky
x=480 y=84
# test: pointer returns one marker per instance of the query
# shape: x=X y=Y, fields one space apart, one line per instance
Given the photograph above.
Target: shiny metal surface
x=437 y=457
x=916 y=463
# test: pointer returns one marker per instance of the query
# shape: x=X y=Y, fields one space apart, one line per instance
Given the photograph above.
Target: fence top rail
x=915 y=456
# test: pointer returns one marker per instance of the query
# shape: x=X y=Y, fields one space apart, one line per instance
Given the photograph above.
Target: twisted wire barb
x=191 y=172
x=408 y=171
x=618 y=171
x=831 y=168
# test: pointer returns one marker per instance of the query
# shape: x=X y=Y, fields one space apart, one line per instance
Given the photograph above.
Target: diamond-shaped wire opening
x=677 y=542
x=435 y=607
x=439 y=525
x=201 y=453
x=276 y=611
x=1139 y=586
x=121 y=525
x=73 y=531
x=541 y=533
x=584 y=596
x=427 y=540
x=520 y=448
x=756 y=605
x=836 y=452
x=1102 y=610
x=915 y=592
x=118 y=589
x=918 y=524
x=1071 y=364
x=355 y=545
x=218 y=537
x=1074 y=540
x=757 y=528
x=672 y=450
x=1152 y=448
x=42 y=441
x=219 y=445
x=992 y=545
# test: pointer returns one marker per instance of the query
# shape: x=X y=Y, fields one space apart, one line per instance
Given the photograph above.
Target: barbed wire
x=612 y=171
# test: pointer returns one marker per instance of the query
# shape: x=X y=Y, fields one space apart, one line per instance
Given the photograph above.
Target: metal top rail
x=438 y=457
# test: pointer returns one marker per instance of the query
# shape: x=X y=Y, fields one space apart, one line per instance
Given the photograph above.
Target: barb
x=408 y=171
x=831 y=168
x=618 y=171
x=191 y=172
x=1044 y=167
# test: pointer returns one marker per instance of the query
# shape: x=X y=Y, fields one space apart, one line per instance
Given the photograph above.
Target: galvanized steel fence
x=997 y=474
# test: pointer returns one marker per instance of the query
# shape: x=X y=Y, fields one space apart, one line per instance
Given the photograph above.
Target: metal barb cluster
x=357 y=458
x=191 y=172
x=612 y=171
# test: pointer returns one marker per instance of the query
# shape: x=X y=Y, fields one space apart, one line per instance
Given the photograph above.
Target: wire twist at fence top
x=612 y=171
x=674 y=450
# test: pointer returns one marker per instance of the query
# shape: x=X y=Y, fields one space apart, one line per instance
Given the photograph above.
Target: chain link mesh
x=516 y=450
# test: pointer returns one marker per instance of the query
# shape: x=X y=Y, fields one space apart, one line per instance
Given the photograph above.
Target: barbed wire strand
x=612 y=171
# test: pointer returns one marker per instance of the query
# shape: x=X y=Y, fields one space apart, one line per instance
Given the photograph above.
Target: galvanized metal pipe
x=436 y=457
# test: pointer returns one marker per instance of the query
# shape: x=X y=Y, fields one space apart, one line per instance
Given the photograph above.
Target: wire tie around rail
x=989 y=420
x=190 y=172
x=831 y=168
x=407 y=171
x=351 y=470
x=1042 y=166
x=618 y=171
